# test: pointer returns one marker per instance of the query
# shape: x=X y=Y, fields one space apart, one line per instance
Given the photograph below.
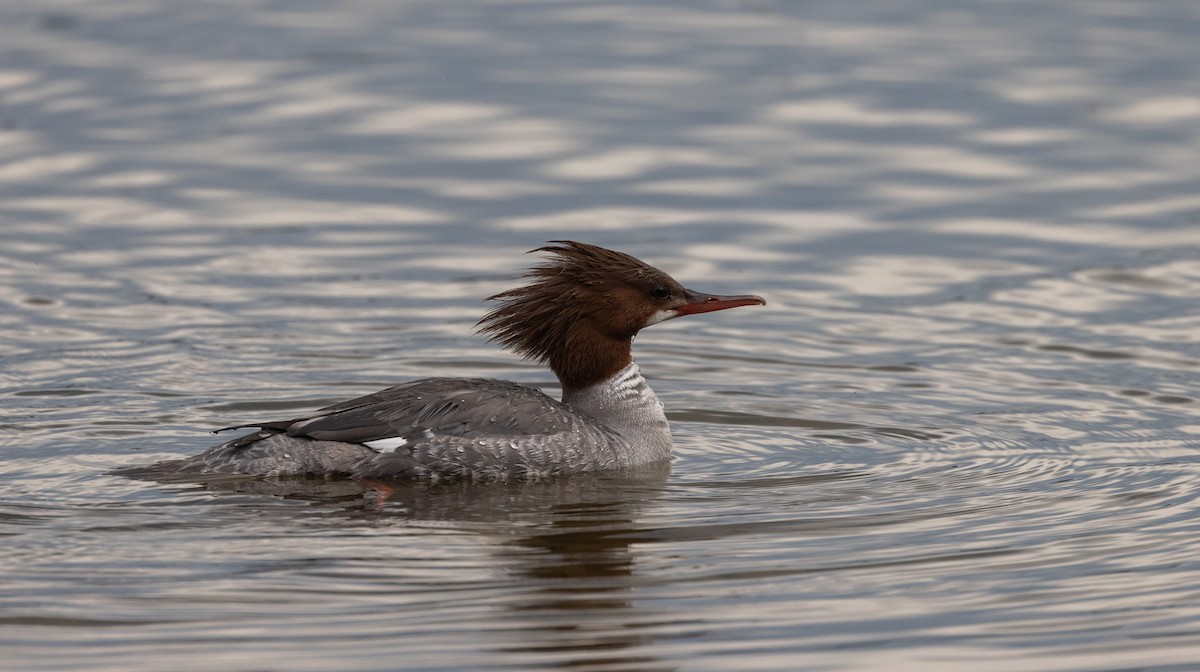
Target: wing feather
x=481 y=407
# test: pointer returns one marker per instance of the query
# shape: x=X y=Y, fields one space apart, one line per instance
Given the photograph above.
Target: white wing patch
x=387 y=445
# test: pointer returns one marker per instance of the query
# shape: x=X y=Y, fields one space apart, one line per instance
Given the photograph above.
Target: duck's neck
x=625 y=404
x=589 y=357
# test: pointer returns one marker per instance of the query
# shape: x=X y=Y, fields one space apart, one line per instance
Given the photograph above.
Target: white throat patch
x=662 y=316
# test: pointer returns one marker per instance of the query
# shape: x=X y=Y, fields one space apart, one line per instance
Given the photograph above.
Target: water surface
x=962 y=433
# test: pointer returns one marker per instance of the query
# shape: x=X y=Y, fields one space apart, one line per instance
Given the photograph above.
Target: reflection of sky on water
x=1012 y=120
x=963 y=429
x=854 y=140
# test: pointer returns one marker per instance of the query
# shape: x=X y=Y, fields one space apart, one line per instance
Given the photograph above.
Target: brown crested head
x=582 y=307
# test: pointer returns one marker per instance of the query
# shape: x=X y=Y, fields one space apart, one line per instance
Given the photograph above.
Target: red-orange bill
x=698 y=302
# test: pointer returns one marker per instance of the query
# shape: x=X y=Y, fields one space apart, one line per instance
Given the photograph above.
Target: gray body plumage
x=472 y=428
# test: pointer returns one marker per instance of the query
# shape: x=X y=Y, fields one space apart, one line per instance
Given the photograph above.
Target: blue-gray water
x=964 y=433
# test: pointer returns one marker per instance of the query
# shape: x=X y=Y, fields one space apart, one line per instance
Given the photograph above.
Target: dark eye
x=661 y=292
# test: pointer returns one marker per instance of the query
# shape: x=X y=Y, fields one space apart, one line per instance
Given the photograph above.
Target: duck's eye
x=661 y=292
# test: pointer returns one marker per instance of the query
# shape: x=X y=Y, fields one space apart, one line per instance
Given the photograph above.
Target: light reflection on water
x=963 y=431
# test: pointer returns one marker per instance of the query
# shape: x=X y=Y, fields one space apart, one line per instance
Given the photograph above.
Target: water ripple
x=961 y=434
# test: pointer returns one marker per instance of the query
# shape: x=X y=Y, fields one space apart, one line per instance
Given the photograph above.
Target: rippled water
x=962 y=435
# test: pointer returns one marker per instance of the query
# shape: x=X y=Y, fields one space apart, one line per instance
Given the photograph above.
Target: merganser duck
x=578 y=314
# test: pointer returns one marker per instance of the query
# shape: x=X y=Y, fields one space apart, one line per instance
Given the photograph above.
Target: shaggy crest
x=580 y=310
